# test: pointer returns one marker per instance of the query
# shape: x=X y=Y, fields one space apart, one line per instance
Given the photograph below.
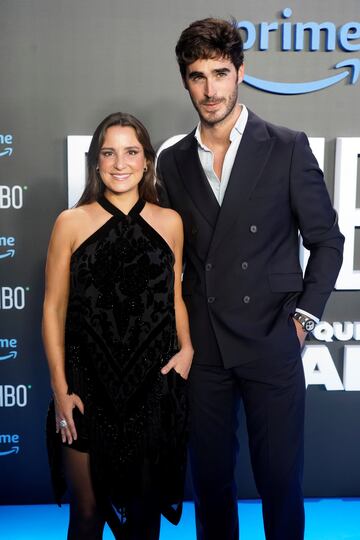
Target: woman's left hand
x=180 y=362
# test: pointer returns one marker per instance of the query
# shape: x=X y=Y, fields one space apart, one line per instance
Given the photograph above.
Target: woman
x=117 y=340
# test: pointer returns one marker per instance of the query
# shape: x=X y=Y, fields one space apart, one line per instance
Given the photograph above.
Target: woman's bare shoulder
x=171 y=217
x=72 y=223
x=72 y=217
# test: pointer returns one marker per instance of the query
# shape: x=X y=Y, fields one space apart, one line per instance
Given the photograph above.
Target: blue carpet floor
x=326 y=519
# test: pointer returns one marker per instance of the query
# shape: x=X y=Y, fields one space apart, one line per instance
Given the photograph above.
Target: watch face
x=309 y=326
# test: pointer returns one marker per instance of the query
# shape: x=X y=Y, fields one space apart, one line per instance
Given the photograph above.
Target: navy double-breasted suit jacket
x=242 y=277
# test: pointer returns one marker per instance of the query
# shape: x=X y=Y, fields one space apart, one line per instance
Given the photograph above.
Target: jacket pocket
x=286 y=282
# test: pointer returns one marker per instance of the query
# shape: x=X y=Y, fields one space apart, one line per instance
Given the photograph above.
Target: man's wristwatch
x=306 y=322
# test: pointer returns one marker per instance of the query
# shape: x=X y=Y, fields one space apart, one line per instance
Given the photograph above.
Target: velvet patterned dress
x=120 y=331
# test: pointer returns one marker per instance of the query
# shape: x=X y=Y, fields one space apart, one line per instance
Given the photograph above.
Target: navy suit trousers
x=273 y=394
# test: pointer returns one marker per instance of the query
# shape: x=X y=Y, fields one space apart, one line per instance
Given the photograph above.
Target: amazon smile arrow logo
x=10 y=356
x=311 y=86
x=14 y=450
x=8 y=253
x=7 y=152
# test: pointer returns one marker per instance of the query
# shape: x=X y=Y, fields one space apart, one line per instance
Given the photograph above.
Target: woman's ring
x=63 y=423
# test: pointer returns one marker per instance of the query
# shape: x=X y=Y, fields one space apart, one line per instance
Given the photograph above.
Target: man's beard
x=212 y=119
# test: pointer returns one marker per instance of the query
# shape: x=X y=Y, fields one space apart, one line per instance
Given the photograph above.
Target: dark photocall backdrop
x=65 y=65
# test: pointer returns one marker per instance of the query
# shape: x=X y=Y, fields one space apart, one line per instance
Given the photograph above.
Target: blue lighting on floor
x=326 y=519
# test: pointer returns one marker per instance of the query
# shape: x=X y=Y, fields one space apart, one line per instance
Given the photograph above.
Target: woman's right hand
x=64 y=405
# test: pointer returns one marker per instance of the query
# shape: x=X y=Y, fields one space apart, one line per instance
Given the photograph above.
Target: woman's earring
x=145 y=168
x=97 y=168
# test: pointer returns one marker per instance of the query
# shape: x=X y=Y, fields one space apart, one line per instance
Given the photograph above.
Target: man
x=244 y=189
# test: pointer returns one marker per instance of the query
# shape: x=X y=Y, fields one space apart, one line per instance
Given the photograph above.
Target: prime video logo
x=12 y=444
x=7 y=247
x=291 y=37
x=10 y=346
x=7 y=142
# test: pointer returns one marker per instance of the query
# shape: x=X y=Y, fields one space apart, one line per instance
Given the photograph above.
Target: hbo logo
x=11 y=396
x=11 y=197
x=12 y=298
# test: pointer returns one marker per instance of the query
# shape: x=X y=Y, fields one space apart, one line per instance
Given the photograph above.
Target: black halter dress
x=120 y=331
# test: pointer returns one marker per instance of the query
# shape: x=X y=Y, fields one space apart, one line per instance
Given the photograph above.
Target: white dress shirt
x=206 y=156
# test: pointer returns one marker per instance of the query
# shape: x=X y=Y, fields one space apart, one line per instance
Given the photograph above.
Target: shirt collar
x=236 y=131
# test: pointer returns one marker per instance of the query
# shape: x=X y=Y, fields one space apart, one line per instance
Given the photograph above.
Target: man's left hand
x=301 y=333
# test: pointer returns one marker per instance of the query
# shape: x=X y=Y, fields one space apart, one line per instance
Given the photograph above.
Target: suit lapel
x=253 y=152
x=194 y=178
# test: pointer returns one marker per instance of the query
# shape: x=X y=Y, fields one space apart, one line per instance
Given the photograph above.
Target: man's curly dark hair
x=209 y=38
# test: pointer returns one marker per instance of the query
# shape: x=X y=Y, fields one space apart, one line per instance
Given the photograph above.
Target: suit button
x=244 y=265
x=194 y=231
x=246 y=299
x=211 y=299
x=253 y=229
x=208 y=267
